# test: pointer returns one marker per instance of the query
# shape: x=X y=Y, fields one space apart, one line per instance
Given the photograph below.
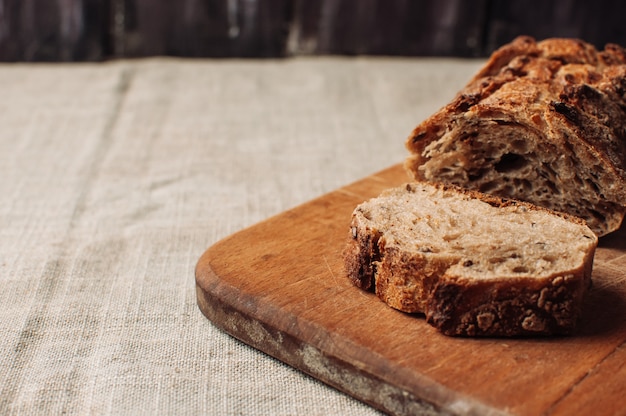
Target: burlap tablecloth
x=115 y=178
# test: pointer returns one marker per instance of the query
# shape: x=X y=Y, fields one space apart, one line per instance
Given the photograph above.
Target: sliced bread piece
x=543 y=122
x=474 y=264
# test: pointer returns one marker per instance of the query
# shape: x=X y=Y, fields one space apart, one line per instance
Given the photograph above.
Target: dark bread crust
x=548 y=307
x=360 y=257
x=538 y=101
x=415 y=282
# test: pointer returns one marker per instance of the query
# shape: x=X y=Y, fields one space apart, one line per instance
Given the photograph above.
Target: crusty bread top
x=580 y=80
x=483 y=237
x=548 y=116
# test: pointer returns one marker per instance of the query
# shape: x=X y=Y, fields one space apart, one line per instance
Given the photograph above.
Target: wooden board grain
x=280 y=287
x=210 y=28
x=384 y=27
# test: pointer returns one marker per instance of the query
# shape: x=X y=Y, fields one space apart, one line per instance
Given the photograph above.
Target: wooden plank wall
x=53 y=30
x=92 y=30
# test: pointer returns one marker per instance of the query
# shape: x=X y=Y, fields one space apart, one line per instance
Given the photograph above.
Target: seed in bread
x=474 y=264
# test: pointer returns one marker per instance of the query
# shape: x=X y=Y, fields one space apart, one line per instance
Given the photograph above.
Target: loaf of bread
x=474 y=264
x=543 y=122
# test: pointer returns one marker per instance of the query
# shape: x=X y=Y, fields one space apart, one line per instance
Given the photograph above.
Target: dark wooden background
x=93 y=30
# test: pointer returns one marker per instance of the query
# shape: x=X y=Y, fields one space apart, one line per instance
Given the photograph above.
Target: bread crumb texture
x=474 y=264
x=543 y=122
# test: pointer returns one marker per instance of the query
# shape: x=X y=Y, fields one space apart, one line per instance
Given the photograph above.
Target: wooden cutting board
x=279 y=286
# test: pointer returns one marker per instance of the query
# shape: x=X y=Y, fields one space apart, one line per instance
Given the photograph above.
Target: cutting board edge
x=363 y=189
x=315 y=360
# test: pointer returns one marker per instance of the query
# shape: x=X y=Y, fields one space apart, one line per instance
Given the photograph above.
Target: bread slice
x=543 y=122
x=474 y=264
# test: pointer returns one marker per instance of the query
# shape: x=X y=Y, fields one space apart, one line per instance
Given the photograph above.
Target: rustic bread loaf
x=544 y=122
x=474 y=264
